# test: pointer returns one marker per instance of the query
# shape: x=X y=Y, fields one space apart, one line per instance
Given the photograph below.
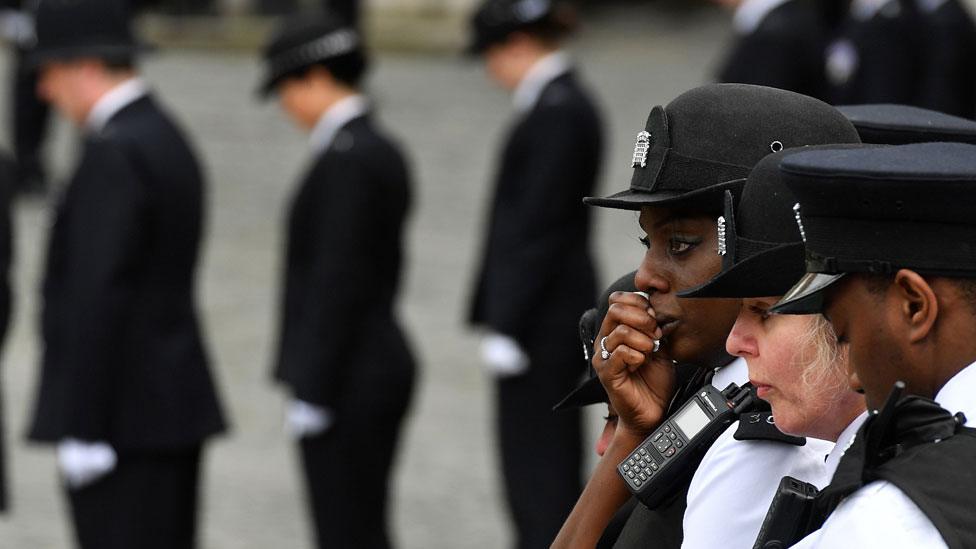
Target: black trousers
x=347 y=468
x=541 y=449
x=148 y=502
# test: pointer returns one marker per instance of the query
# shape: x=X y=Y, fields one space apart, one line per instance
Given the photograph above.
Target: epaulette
x=760 y=425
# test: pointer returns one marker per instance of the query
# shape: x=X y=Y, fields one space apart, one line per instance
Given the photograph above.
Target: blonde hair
x=823 y=361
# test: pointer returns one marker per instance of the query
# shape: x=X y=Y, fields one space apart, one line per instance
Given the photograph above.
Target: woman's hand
x=639 y=381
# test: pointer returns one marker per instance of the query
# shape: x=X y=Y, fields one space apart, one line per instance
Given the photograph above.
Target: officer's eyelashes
x=677 y=244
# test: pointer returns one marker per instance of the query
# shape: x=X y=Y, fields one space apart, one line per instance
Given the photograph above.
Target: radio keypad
x=641 y=465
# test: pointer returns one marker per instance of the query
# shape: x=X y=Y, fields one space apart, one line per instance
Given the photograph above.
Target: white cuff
x=303 y=419
x=83 y=463
x=502 y=355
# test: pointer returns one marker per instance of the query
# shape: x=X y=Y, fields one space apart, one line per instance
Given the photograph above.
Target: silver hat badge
x=799 y=222
x=721 y=235
x=640 y=150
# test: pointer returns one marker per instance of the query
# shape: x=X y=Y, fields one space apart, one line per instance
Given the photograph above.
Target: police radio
x=667 y=458
x=790 y=515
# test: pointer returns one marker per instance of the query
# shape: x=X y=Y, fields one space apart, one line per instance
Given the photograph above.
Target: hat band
x=331 y=45
x=676 y=172
x=837 y=246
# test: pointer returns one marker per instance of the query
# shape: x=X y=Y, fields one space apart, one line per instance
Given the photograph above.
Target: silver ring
x=604 y=353
x=657 y=345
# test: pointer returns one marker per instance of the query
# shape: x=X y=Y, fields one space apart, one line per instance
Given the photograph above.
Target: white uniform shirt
x=539 y=75
x=118 y=98
x=880 y=515
x=736 y=480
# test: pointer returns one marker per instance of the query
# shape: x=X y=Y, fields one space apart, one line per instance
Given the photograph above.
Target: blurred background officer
x=872 y=56
x=536 y=275
x=778 y=43
x=947 y=57
x=29 y=113
x=7 y=174
x=341 y=352
x=125 y=389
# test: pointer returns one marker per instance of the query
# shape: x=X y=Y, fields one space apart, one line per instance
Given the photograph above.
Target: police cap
x=708 y=139
x=880 y=209
x=902 y=124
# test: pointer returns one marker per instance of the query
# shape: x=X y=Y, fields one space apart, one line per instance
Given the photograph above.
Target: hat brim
x=806 y=297
x=589 y=392
x=704 y=199
x=111 y=52
x=768 y=273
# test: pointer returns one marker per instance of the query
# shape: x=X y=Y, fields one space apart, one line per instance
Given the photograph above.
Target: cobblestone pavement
x=447 y=492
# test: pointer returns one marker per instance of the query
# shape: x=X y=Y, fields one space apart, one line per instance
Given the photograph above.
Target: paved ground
x=447 y=493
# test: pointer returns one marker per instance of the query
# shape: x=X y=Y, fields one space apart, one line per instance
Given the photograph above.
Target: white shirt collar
x=844 y=442
x=751 y=13
x=333 y=119
x=543 y=72
x=863 y=10
x=957 y=394
x=115 y=100
x=734 y=372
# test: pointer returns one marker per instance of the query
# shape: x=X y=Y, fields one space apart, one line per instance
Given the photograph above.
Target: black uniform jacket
x=947 y=72
x=784 y=51
x=536 y=269
x=886 y=60
x=123 y=359
x=342 y=271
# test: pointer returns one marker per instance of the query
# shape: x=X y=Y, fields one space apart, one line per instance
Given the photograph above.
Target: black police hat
x=708 y=139
x=494 y=20
x=901 y=124
x=72 y=29
x=305 y=40
x=760 y=242
x=591 y=391
x=879 y=209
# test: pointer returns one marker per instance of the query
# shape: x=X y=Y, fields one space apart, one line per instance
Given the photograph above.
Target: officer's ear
x=918 y=306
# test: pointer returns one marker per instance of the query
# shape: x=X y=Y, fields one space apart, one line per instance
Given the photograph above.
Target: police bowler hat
x=305 y=40
x=708 y=139
x=72 y=29
x=495 y=20
x=760 y=241
x=879 y=209
x=902 y=124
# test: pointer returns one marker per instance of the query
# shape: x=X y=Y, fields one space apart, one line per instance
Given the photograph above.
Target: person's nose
x=650 y=280
x=741 y=341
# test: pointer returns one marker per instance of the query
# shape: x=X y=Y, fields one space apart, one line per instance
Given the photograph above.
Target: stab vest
x=926 y=453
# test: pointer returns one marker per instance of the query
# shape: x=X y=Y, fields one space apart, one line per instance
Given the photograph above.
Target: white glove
x=303 y=419
x=502 y=355
x=83 y=463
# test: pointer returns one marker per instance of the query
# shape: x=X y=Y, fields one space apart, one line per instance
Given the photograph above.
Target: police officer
x=341 y=353
x=536 y=273
x=888 y=233
x=777 y=43
x=125 y=390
